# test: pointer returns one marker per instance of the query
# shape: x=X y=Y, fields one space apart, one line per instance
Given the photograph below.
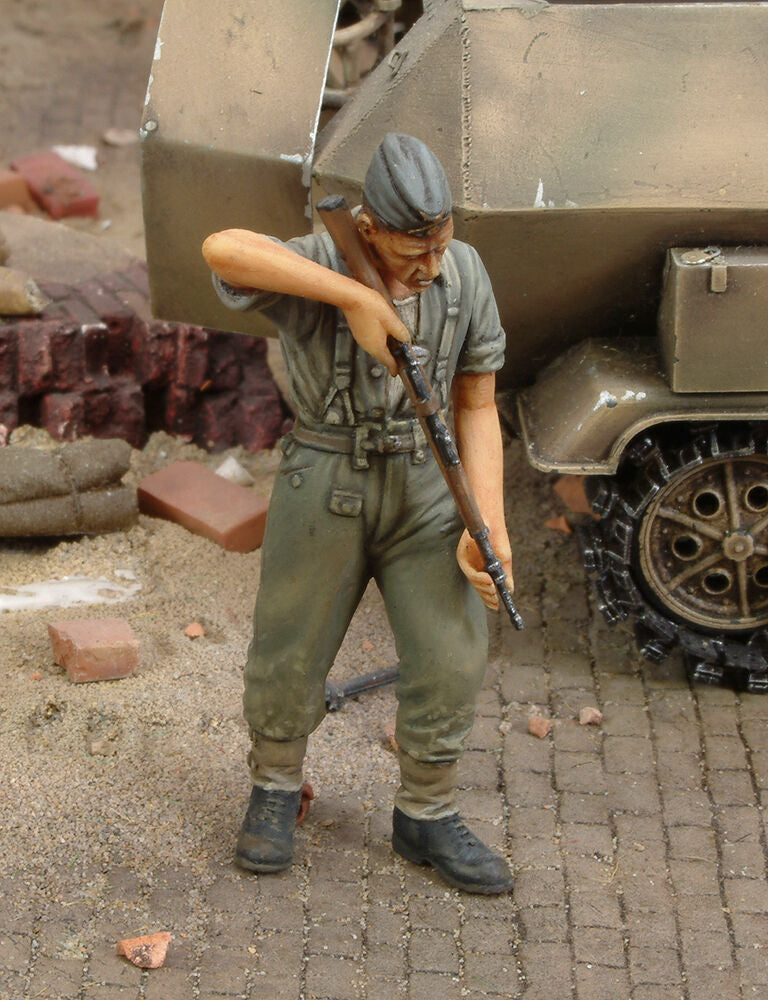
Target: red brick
x=199 y=500
x=95 y=649
x=114 y=407
x=35 y=361
x=68 y=355
x=14 y=190
x=181 y=410
x=63 y=415
x=191 y=357
x=224 y=370
x=96 y=346
x=260 y=420
x=9 y=415
x=8 y=356
x=155 y=349
x=218 y=423
x=57 y=186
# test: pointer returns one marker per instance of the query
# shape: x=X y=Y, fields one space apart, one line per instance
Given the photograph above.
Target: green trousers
x=330 y=529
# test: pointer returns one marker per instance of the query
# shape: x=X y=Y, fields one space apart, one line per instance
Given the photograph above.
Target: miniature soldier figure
x=359 y=495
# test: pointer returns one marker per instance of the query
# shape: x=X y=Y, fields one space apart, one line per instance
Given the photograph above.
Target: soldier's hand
x=471 y=564
x=372 y=319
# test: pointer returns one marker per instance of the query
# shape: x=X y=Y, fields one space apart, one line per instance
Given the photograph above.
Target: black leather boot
x=265 y=842
x=462 y=859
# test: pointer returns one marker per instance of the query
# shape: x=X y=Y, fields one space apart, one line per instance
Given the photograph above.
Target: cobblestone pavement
x=639 y=848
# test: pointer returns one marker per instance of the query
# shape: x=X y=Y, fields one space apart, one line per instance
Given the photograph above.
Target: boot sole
x=400 y=847
x=262 y=867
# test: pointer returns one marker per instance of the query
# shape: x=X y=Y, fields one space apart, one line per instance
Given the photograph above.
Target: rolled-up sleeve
x=483 y=349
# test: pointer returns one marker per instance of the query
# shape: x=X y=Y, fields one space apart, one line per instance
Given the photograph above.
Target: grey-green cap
x=406 y=187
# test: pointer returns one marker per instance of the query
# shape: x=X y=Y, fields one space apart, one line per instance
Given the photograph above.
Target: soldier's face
x=409 y=261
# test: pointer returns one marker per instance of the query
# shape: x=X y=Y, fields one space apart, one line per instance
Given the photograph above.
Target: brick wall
x=95 y=363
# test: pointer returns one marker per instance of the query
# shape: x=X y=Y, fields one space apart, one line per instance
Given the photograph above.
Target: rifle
x=335 y=213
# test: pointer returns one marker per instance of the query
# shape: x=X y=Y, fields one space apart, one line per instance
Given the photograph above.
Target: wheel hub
x=703 y=544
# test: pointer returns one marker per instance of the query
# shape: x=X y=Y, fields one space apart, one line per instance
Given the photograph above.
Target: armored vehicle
x=610 y=164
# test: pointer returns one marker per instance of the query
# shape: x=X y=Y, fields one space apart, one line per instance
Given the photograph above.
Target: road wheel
x=682 y=549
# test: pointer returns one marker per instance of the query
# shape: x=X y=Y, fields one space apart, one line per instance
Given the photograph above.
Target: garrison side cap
x=406 y=187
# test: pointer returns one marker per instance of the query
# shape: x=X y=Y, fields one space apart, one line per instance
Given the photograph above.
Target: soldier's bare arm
x=251 y=260
x=478 y=437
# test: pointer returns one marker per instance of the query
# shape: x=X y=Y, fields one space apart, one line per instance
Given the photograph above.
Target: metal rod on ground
x=337 y=694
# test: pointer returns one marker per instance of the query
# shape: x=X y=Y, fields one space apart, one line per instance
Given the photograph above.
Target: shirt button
x=296 y=480
x=377 y=371
x=332 y=417
x=377 y=413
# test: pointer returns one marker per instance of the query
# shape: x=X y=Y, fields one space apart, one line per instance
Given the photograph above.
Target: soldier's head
x=406 y=214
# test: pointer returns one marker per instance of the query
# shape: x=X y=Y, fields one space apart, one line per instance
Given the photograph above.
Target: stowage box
x=713 y=319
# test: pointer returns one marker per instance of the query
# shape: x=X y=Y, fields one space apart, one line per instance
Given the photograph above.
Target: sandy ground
x=97 y=765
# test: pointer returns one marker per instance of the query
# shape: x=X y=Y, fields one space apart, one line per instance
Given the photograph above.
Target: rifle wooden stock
x=339 y=222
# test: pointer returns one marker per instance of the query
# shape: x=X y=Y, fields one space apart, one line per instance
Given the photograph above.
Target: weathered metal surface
x=229 y=132
x=703 y=544
x=581 y=141
x=587 y=405
x=712 y=320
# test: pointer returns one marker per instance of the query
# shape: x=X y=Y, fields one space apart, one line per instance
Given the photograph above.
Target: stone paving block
x=525 y=753
x=649 y=992
x=731 y=788
x=707 y=916
x=704 y=948
x=599 y=946
x=433 y=951
x=488 y=704
x=106 y=966
x=753 y=968
x=535 y=852
x=56 y=978
x=724 y=753
x=525 y=683
x=688 y=843
x=527 y=789
x=719 y=719
x=658 y=966
x=525 y=650
x=684 y=808
x=750 y=930
x=680 y=769
x=531 y=821
x=95 y=649
x=428 y=985
x=204 y=503
x=280 y=950
x=567 y=734
x=628 y=754
x=682 y=737
x=479 y=769
x=647 y=892
x=386 y=962
x=543 y=923
x=336 y=938
x=386 y=989
x=595 y=908
x=11 y=984
x=15 y=952
x=491 y=975
x=484 y=734
x=695 y=878
x=579 y=772
x=579 y=807
x=383 y=886
x=587 y=839
x=534 y=887
x=746 y=895
x=384 y=926
x=274 y=985
x=167 y=984
x=649 y=929
x=599 y=982
x=621 y=689
x=723 y=984
x=433 y=914
x=626 y=720
x=333 y=978
x=632 y=830
x=480 y=804
x=491 y=937
x=546 y=965
x=225 y=970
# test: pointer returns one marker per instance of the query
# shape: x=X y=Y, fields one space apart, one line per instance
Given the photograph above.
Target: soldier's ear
x=366 y=224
